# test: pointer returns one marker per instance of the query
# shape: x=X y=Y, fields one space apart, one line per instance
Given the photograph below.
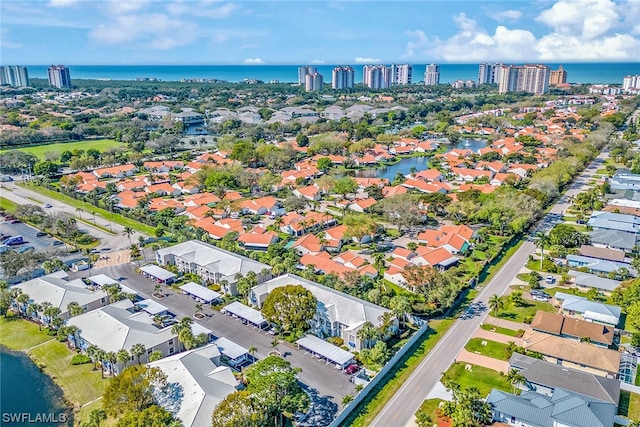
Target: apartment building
x=432 y=75
x=342 y=77
x=376 y=76
x=59 y=76
x=524 y=78
x=14 y=75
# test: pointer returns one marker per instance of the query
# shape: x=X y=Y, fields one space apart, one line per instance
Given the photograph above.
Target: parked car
x=15 y=240
x=550 y=279
x=26 y=249
x=48 y=205
x=352 y=369
x=56 y=243
x=40 y=234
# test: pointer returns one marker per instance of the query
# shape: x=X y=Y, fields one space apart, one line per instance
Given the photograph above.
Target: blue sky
x=75 y=32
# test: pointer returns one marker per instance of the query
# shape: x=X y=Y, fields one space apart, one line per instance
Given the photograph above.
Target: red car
x=352 y=369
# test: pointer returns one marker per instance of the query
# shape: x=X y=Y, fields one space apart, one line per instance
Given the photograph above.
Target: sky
x=219 y=32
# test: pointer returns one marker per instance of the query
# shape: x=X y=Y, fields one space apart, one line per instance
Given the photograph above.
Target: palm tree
x=274 y=344
x=111 y=358
x=541 y=240
x=96 y=416
x=74 y=309
x=22 y=300
x=71 y=331
x=515 y=378
x=138 y=350
x=185 y=323
x=198 y=312
x=252 y=351
x=93 y=351
x=496 y=303
x=79 y=212
x=367 y=333
x=155 y=355
x=141 y=241
x=128 y=231
x=123 y=357
x=400 y=306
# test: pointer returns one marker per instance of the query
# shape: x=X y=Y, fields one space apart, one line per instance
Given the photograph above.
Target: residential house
x=591 y=311
x=212 y=264
x=60 y=293
x=586 y=281
x=115 y=171
x=594 y=265
x=338 y=314
x=259 y=206
x=362 y=205
x=120 y=326
x=203 y=383
x=600 y=220
x=602 y=253
x=572 y=328
x=614 y=239
x=455 y=239
x=258 y=239
x=310 y=192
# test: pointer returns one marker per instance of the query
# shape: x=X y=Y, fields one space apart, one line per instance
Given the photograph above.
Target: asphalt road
x=114 y=241
x=400 y=409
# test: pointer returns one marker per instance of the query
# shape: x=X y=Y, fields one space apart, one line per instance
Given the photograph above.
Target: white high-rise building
x=303 y=71
x=631 y=82
x=376 y=76
x=313 y=82
x=432 y=75
x=342 y=77
x=525 y=78
x=401 y=74
x=59 y=76
x=14 y=75
x=489 y=73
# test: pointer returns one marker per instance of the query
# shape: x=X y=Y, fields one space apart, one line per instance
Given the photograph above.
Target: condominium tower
x=489 y=73
x=432 y=75
x=557 y=77
x=14 y=75
x=342 y=77
x=303 y=71
x=525 y=78
x=631 y=82
x=313 y=82
x=59 y=76
x=376 y=76
x=401 y=74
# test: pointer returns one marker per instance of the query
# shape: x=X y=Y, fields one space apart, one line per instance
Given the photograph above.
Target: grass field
x=98 y=144
x=18 y=334
x=430 y=406
x=494 y=349
x=484 y=379
x=518 y=314
x=501 y=330
x=8 y=205
x=629 y=405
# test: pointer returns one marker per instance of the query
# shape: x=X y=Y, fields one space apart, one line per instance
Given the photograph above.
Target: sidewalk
x=480 y=360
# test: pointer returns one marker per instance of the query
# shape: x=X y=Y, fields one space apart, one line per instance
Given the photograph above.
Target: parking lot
x=28 y=233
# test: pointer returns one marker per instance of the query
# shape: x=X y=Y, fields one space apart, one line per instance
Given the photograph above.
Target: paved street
x=400 y=409
x=327 y=384
x=23 y=196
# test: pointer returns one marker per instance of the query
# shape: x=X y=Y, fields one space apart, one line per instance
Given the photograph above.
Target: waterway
x=29 y=396
x=407 y=164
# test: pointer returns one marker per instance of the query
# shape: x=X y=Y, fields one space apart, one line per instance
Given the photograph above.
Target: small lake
x=29 y=396
x=405 y=165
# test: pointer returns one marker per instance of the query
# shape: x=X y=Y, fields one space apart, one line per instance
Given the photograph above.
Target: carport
x=152 y=307
x=236 y=354
x=325 y=350
x=101 y=280
x=200 y=292
x=239 y=310
x=157 y=274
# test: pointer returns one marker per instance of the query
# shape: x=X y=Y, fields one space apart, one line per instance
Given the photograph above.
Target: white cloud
x=317 y=62
x=361 y=60
x=253 y=61
x=62 y=3
x=5 y=42
x=575 y=30
x=507 y=15
x=205 y=8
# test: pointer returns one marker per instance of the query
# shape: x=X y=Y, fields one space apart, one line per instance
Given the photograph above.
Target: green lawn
x=7 y=205
x=18 y=334
x=493 y=349
x=501 y=330
x=430 y=406
x=98 y=144
x=88 y=208
x=518 y=314
x=574 y=291
x=81 y=384
x=629 y=405
x=484 y=379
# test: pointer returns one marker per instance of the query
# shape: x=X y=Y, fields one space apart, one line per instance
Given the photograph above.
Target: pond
x=29 y=396
x=405 y=165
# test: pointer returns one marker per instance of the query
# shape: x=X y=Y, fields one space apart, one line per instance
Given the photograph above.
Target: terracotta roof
x=557 y=324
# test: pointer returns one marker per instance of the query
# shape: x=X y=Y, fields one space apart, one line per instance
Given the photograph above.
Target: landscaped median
x=81 y=384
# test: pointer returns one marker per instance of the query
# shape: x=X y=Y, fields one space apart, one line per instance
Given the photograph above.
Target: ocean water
x=29 y=397
x=576 y=72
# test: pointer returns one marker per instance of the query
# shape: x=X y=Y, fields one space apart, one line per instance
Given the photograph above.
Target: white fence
x=342 y=415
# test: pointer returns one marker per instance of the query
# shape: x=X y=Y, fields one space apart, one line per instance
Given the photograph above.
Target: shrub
x=215 y=287
x=80 y=359
x=527 y=320
x=519 y=333
x=336 y=341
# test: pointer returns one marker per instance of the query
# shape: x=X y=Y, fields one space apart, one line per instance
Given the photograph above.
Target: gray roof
x=202 y=384
x=593 y=281
x=115 y=327
x=325 y=349
x=102 y=280
x=614 y=221
x=595 y=264
x=200 y=291
x=553 y=376
x=338 y=306
x=613 y=239
x=583 y=305
x=230 y=349
x=151 y=306
x=564 y=407
x=244 y=312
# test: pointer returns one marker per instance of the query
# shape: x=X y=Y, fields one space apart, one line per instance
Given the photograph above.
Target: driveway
x=326 y=385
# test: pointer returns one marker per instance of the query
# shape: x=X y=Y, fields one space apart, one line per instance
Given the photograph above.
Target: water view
x=407 y=164
x=28 y=395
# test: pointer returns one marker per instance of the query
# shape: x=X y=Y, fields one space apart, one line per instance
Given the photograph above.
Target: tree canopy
x=291 y=307
x=132 y=390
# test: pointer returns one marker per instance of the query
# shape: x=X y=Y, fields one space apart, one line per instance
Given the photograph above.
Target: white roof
x=202 y=384
x=230 y=349
x=102 y=280
x=118 y=326
x=59 y=292
x=197 y=329
x=200 y=291
x=152 y=307
x=325 y=349
x=337 y=306
x=247 y=313
x=157 y=272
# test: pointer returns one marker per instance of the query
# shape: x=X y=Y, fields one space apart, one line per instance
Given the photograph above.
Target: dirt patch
x=113 y=258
